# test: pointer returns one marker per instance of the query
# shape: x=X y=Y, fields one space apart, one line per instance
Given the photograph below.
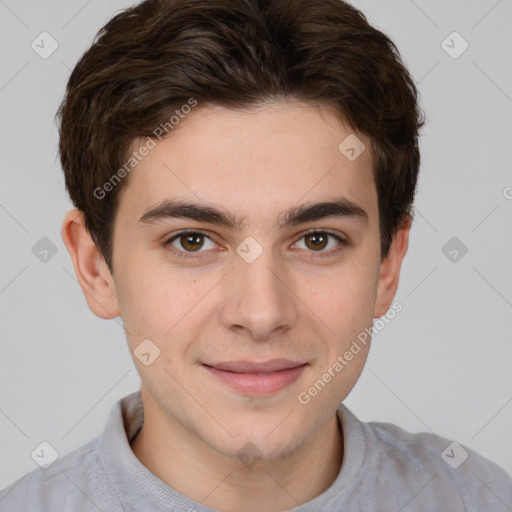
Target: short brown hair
x=151 y=59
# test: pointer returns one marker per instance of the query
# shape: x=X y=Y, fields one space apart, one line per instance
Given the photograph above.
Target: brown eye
x=316 y=241
x=191 y=244
x=320 y=244
x=192 y=241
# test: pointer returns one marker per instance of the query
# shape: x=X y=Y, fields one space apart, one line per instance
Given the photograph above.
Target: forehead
x=253 y=162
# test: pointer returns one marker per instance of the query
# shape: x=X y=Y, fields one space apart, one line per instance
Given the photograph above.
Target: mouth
x=257 y=378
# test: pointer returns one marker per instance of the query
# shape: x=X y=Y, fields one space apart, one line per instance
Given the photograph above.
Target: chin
x=251 y=450
x=270 y=440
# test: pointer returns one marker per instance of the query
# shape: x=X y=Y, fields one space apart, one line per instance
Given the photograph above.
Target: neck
x=202 y=474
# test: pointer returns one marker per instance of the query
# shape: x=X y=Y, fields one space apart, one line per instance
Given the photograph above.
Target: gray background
x=443 y=364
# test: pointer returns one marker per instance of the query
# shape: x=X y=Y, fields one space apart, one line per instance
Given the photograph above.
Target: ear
x=91 y=270
x=390 y=269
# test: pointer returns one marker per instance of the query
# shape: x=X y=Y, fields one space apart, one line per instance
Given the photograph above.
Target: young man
x=243 y=173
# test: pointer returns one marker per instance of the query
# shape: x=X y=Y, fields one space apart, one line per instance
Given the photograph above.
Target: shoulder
x=87 y=479
x=447 y=468
x=72 y=482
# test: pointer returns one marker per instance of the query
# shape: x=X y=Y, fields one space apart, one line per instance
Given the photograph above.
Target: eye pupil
x=192 y=242
x=318 y=240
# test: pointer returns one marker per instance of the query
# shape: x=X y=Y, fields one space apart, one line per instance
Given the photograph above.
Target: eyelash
x=199 y=255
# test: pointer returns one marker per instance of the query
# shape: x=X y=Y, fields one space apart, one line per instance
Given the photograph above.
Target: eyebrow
x=170 y=209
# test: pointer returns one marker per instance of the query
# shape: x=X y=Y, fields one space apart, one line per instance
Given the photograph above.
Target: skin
x=288 y=303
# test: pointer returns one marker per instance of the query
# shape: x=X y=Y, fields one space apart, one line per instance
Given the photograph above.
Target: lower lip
x=258 y=383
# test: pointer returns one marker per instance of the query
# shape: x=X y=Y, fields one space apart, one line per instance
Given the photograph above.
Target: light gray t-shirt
x=384 y=469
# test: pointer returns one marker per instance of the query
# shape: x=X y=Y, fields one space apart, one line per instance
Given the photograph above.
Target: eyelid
x=172 y=238
x=187 y=255
x=335 y=234
x=342 y=242
x=198 y=254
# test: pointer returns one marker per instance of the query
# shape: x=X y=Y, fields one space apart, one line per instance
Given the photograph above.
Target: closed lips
x=251 y=367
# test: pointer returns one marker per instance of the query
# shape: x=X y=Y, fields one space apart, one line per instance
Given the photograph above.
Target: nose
x=258 y=298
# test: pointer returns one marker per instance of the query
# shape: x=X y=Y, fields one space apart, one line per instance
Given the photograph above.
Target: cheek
x=344 y=298
x=144 y=298
x=159 y=304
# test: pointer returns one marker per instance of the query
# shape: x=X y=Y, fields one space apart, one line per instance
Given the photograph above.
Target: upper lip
x=272 y=365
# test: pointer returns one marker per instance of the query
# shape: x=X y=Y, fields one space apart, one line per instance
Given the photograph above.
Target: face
x=253 y=291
